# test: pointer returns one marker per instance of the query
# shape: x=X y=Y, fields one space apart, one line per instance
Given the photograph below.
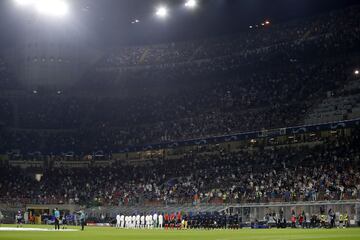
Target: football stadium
x=179 y=119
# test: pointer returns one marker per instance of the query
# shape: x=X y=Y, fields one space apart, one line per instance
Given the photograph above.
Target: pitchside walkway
x=248 y=212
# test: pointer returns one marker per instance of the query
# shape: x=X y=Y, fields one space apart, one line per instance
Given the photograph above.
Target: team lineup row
x=152 y=221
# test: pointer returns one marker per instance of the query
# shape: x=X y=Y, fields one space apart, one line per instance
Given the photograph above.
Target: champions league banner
x=247 y=136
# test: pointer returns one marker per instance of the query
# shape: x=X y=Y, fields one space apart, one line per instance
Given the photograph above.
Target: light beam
x=57 y=8
x=191 y=4
x=162 y=12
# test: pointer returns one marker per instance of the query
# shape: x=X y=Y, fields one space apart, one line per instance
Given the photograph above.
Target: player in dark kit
x=172 y=220
x=19 y=219
x=178 y=220
x=64 y=222
x=166 y=219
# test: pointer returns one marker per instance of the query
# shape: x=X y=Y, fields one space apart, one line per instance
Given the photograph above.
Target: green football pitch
x=96 y=233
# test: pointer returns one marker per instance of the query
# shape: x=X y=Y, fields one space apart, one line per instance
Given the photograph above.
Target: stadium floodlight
x=162 y=12
x=24 y=2
x=57 y=8
x=191 y=4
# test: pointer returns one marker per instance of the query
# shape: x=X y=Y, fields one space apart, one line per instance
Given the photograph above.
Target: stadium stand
x=327 y=171
x=263 y=79
x=338 y=106
x=282 y=76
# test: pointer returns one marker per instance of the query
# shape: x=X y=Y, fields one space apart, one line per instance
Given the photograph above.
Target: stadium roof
x=111 y=22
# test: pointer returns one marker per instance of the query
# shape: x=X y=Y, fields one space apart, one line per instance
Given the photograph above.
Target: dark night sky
x=109 y=21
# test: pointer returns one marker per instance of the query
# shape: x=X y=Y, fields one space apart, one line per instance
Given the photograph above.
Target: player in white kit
x=118 y=221
x=127 y=222
x=122 y=221
x=151 y=222
x=147 y=222
x=155 y=220
x=137 y=221
x=142 y=221
x=161 y=220
x=133 y=221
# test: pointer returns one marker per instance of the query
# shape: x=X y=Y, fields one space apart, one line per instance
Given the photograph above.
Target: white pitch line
x=10 y=229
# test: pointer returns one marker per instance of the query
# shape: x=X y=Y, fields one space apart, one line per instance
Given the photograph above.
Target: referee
x=82 y=220
x=57 y=219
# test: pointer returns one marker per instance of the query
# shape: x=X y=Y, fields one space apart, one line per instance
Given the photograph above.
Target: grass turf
x=96 y=233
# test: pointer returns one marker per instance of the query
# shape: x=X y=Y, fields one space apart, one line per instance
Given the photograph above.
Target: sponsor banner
x=98 y=224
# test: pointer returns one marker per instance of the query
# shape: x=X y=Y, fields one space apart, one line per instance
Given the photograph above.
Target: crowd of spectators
x=7 y=79
x=328 y=25
x=265 y=78
x=325 y=172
